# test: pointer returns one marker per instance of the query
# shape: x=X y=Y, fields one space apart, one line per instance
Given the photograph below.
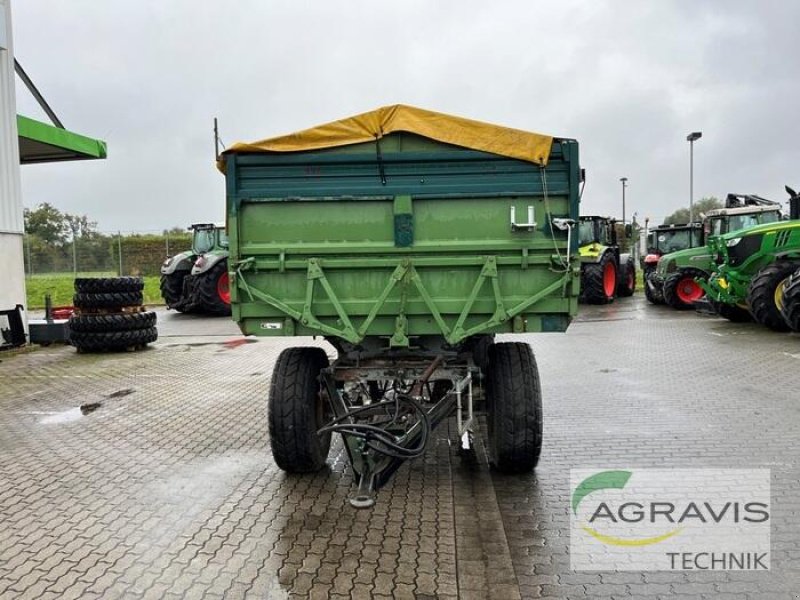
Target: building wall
x=12 y=270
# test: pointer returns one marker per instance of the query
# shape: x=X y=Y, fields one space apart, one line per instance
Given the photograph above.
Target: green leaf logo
x=616 y=480
x=599 y=481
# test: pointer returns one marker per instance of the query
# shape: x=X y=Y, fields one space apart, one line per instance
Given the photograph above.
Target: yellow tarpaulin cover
x=366 y=127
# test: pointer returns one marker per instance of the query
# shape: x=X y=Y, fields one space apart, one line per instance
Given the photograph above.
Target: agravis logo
x=672 y=518
x=611 y=480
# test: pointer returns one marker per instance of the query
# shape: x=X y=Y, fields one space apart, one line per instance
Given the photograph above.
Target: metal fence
x=119 y=253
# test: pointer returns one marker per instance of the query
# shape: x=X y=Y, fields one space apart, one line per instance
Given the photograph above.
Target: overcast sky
x=628 y=79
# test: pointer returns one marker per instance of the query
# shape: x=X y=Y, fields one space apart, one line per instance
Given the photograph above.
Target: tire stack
x=109 y=315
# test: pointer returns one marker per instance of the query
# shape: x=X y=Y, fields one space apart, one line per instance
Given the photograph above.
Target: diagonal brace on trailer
x=405 y=275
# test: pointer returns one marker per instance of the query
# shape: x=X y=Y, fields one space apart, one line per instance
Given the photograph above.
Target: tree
x=681 y=216
x=80 y=226
x=47 y=223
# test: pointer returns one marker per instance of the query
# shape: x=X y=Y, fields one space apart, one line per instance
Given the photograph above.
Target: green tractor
x=675 y=279
x=605 y=272
x=667 y=239
x=753 y=268
x=197 y=280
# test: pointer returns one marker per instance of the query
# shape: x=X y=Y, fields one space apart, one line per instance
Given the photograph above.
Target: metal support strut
x=386 y=409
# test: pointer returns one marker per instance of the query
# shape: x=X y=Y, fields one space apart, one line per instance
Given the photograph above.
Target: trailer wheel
x=790 y=308
x=102 y=285
x=297 y=410
x=681 y=290
x=514 y=398
x=111 y=322
x=627 y=286
x=599 y=280
x=765 y=294
x=734 y=314
x=213 y=289
x=172 y=289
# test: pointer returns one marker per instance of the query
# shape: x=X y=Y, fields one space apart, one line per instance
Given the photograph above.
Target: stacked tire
x=109 y=315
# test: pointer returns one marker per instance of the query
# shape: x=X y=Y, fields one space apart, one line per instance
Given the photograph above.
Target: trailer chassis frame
x=374 y=463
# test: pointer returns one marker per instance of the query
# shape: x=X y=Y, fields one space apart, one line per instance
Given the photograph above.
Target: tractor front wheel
x=172 y=289
x=790 y=308
x=514 y=403
x=765 y=294
x=599 y=280
x=213 y=289
x=651 y=291
x=627 y=286
x=297 y=409
x=681 y=290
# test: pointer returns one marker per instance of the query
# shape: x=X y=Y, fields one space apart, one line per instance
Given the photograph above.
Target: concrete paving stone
x=167 y=490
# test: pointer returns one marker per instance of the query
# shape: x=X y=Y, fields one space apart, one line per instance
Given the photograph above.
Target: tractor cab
x=597 y=230
x=724 y=220
x=207 y=237
x=671 y=238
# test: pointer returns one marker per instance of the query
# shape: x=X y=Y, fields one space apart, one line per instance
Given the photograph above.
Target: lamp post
x=695 y=135
x=624 y=181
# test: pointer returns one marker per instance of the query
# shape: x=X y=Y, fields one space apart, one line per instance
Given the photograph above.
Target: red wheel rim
x=223 y=288
x=609 y=279
x=688 y=291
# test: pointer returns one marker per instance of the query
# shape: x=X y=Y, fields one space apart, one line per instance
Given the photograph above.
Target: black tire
x=113 y=340
x=651 y=291
x=680 y=289
x=761 y=294
x=479 y=345
x=734 y=314
x=208 y=290
x=627 y=286
x=791 y=302
x=107 y=285
x=297 y=410
x=108 y=300
x=592 y=281
x=172 y=289
x=112 y=322
x=514 y=408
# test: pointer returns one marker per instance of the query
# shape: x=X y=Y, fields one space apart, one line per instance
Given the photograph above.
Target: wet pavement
x=148 y=474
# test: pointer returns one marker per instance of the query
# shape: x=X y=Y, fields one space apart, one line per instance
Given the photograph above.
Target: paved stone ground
x=167 y=489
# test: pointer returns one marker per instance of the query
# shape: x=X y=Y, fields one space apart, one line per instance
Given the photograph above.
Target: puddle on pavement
x=71 y=415
x=85 y=409
x=67 y=416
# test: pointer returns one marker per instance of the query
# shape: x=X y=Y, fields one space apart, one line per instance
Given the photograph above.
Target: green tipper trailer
x=407 y=239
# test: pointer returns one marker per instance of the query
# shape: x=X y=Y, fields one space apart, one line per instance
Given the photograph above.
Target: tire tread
x=515 y=408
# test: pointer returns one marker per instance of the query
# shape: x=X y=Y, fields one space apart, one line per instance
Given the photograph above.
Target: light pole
x=695 y=135
x=624 y=181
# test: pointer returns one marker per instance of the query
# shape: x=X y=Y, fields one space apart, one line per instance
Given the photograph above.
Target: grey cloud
x=628 y=79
